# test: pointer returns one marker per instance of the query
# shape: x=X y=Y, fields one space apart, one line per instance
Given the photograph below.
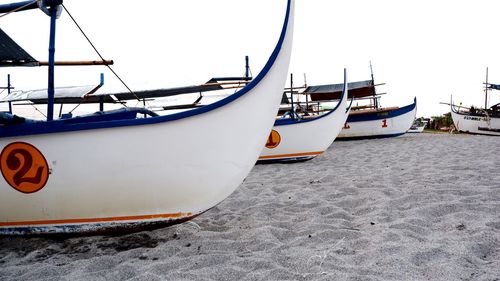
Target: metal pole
x=8 y=92
x=52 y=43
x=375 y=101
x=307 y=95
x=291 y=96
x=247 y=67
x=486 y=91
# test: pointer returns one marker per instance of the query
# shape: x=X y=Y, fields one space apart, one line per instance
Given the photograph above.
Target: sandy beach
x=416 y=207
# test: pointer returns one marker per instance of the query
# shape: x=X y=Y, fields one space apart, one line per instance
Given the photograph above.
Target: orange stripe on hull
x=95 y=220
x=314 y=153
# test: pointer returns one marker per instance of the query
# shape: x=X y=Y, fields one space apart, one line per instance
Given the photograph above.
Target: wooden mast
x=375 y=101
x=486 y=91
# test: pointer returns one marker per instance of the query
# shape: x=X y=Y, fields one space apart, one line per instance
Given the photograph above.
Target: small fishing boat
x=371 y=120
x=418 y=126
x=480 y=121
x=131 y=168
x=300 y=137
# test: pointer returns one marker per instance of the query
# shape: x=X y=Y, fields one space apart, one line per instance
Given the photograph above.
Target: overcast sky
x=428 y=49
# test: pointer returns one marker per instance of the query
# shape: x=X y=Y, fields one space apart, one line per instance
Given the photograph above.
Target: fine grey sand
x=416 y=207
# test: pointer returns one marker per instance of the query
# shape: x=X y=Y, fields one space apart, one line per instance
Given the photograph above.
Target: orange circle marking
x=273 y=140
x=24 y=167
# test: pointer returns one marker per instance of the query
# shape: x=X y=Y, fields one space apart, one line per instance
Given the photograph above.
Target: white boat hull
x=151 y=173
x=304 y=139
x=481 y=125
x=379 y=125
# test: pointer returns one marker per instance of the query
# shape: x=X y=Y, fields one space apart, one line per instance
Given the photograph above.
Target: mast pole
x=375 y=101
x=486 y=91
x=52 y=49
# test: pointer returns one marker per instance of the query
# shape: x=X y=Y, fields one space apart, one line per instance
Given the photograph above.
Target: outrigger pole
x=19 y=6
x=78 y=63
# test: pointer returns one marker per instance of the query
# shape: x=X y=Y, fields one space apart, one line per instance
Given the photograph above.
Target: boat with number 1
x=370 y=120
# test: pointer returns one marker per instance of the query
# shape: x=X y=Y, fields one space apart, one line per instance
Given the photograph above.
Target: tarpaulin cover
x=75 y=94
x=11 y=54
x=334 y=91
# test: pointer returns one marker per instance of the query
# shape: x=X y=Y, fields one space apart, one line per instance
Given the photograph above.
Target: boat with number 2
x=132 y=168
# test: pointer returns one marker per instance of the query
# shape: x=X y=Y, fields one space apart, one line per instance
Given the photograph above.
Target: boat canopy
x=358 y=89
x=11 y=54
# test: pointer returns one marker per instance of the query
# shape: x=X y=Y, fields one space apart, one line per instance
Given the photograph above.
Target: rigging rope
x=45 y=116
x=19 y=8
x=95 y=49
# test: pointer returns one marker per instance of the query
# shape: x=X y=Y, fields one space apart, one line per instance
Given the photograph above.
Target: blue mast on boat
x=53 y=9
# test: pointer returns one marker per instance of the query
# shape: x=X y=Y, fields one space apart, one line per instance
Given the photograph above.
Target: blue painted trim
x=291 y=121
x=382 y=115
x=370 y=137
x=57 y=126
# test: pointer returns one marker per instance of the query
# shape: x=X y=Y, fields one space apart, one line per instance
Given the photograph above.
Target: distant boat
x=130 y=168
x=372 y=120
x=418 y=126
x=481 y=121
x=300 y=138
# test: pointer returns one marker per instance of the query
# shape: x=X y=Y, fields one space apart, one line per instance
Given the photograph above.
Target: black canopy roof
x=11 y=54
x=358 y=89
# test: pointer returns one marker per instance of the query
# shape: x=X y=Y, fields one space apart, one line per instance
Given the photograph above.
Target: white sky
x=430 y=49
